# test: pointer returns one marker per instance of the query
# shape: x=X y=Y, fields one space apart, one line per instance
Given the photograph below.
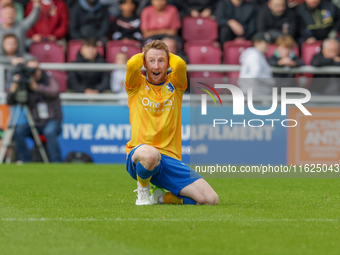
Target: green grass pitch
x=89 y=209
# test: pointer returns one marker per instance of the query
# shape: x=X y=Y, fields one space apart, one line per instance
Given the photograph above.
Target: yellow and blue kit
x=155 y=117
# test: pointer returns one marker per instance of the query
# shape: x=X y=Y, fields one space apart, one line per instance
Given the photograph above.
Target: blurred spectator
x=19 y=9
x=11 y=56
x=329 y=56
x=284 y=55
x=11 y=53
x=44 y=103
x=118 y=75
x=9 y=26
x=276 y=19
x=318 y=20
x=255 y=71
x=53 y=22
x=85 y=81
x=174 y=47
x=127 y=24
x=196 y=8
x=236 y=19
x=88 y=19
x=159 y=20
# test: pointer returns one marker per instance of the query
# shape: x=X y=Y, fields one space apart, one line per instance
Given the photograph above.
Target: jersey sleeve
x=133 y=74
x=179 y=72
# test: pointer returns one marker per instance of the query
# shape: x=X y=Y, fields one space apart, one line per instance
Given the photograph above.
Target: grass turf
x=89 y=209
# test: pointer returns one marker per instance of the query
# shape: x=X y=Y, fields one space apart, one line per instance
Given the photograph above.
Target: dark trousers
x=51 y=130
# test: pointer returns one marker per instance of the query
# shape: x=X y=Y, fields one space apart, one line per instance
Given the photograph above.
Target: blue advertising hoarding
x=102 y=131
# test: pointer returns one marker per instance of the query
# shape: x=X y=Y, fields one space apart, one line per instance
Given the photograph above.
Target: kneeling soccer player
x=155 y=149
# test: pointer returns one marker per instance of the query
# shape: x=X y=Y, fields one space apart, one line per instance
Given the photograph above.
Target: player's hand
x=236 y=27
x=206 y=13
x=194 y=13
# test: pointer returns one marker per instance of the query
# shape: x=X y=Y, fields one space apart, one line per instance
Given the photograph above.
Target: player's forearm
x=133 y=66
x=178 y=66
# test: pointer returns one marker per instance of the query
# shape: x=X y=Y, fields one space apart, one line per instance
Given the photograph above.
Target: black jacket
x=81 y=80
x=273 y=61
x=318 y=22
x=319 y=60
x=327 y=84
x=126 y=28
x=85 y=24
x=287 y=21
x=245 y=14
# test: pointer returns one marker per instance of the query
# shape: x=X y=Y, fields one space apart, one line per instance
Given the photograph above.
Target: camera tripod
x=8 y=135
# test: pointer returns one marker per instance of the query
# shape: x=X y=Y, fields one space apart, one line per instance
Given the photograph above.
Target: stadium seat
x=129 y=47
x=204 y=54
x=61 y=77
x=73 y=47
x=231 y=54
x=48 y=52
x=187 y=45
x=199 y=29
x=232 y=51
x=309 y=50
x=272 y=48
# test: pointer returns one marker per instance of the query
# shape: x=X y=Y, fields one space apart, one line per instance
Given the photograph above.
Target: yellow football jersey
x=155 y=110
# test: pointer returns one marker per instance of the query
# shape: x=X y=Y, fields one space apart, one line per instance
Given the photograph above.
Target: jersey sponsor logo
x=169 y=88
x=152 y=106
x=147 y=87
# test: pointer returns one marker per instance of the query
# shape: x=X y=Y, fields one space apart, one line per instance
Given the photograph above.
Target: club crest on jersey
x=169 y=88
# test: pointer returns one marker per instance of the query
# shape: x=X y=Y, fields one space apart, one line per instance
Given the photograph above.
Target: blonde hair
x=156 y=44
x=286 y=41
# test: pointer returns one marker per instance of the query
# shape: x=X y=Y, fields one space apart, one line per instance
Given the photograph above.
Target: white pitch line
x=165 y=220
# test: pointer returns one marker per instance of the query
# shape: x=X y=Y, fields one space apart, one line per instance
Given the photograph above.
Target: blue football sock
x=144 y=173
x=188 y=201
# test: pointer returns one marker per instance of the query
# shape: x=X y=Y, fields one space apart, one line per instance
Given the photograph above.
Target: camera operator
x=42 y=99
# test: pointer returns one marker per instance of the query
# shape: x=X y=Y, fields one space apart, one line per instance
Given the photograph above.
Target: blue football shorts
x=173 y=174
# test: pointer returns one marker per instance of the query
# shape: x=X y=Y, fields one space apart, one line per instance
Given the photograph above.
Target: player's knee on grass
x=207 y=199
x=148 y=156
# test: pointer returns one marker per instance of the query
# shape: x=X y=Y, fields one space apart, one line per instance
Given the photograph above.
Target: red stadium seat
x=272 y=48
x=48 y=52
x=232 y=51
x=129 y=47
x=231 y=54
x=309 y=50
x=61 y=77
x=204 y=54
x=199 y=29
x=187 y=45
x=73 y=48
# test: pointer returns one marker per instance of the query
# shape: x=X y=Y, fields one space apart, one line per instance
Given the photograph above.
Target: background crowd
x=96 y=22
